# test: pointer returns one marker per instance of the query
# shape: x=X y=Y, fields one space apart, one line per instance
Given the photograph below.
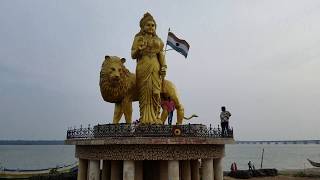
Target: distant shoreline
x=31 y=142
x=61 y=142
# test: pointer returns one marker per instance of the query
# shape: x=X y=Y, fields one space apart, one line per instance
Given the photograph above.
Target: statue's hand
x=142 y=47
x=142 y=44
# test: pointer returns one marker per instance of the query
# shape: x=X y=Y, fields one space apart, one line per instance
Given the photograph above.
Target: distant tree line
x=31 y=142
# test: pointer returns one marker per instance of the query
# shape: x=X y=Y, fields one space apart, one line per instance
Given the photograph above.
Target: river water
x=280 y=156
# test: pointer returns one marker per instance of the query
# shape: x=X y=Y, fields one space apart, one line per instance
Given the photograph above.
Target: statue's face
x=149 y=27
x=114 y=70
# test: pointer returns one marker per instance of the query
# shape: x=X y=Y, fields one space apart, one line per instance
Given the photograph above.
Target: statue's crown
x=146 y=17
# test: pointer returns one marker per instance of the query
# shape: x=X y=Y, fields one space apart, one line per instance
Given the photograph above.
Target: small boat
x=22 y=174
x=315 y=164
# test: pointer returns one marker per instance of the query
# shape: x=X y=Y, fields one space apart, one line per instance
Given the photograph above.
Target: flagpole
x=165 y=50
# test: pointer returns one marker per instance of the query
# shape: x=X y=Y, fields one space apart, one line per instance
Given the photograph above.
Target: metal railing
x=140 y=130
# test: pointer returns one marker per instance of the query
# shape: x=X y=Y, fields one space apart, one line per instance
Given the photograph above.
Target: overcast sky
x=260 y=59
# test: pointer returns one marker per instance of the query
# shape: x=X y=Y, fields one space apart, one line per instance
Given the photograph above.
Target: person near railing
x=168 y=106
x=251 y=166
x=224 y=117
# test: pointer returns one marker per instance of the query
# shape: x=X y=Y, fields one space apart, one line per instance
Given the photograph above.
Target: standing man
x=224 y=117
x=251 y=166
x=169 y=106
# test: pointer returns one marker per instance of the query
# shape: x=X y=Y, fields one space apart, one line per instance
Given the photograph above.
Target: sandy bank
x=289 y=175
x=280 y=177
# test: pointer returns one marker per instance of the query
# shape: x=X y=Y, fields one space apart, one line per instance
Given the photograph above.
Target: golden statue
x=147 y=49
x=118 y=85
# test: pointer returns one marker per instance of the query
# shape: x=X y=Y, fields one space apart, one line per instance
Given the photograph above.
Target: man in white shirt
x=224 y=117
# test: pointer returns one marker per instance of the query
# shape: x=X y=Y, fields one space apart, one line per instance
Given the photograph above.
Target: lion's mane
x=110 y=91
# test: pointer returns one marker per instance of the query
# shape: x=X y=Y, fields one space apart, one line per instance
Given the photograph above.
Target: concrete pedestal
x=128 y=170
x=94 y=170
x=207 y=169
x=195 y=170
x=157 y=154
x=173 y=170
x=82 y=169
x=218 y=169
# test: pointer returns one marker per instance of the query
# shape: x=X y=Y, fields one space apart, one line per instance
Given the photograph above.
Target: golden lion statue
x=118 y=85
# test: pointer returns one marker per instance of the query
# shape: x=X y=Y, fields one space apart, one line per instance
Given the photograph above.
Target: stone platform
x=154 y=152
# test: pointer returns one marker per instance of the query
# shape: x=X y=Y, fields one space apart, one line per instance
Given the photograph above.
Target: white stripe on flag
x=181 y=46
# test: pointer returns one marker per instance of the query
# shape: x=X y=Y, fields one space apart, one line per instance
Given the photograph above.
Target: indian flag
x=177 y=44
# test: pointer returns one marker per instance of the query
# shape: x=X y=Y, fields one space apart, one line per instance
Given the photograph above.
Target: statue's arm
x=162 y=61
x=134 y=49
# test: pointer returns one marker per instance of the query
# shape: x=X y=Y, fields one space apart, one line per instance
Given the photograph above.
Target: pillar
x=164 y=170
x=218 y=169
x=82 y=169
x=138 y=170
x=173 y=170
x=94 y=169
x=195 y=170
x=128 y=170
x=186 y=170
x=116 y=170
x=106 y=170
x=207 y=169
